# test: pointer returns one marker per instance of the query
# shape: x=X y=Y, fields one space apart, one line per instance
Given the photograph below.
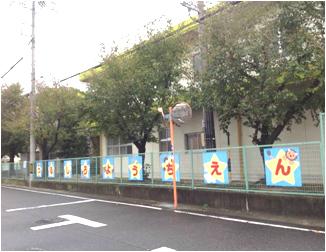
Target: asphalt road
x=131 y=227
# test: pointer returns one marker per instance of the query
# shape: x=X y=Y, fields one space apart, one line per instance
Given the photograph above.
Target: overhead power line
x=21 y=58
x=12 y=67
x=79 y=73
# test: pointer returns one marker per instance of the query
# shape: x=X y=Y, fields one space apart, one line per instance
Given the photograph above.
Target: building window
x=165 y=140
x=193 y=141
x=117 y=147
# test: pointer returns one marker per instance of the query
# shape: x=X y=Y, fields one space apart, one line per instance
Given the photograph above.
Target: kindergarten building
x=190 y=143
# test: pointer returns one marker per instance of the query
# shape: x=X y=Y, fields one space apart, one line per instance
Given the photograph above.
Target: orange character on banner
x=135 y=168
x=38 y=170
x=85 y=168
x=108 y=168
x=67 y=169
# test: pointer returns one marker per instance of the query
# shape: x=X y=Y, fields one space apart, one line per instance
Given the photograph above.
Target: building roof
x=185 y=27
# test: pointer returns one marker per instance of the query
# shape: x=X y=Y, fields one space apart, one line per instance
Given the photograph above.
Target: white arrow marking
x=71 y=219
x=163 y=249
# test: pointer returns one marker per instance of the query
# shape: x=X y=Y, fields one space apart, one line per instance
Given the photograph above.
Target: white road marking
x=49 y=193
x=251 y=222
x=51 y=205
x=129 y=204
x=176 y=211
x=77 y=197
x=52 y=225
x=163 y=249
x=71 y=219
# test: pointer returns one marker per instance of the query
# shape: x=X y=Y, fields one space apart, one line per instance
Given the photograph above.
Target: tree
x=124 y=98
x=57 y=123
x=14 y=121
x=266 y=65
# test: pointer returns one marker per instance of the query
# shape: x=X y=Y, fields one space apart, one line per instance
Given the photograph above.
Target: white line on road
x=49 y=193
x=51 y=205
x=70 y=219
x=52 y=225
x=176 y=211
x=251 y=222
x=77 y=197
x=129 y=204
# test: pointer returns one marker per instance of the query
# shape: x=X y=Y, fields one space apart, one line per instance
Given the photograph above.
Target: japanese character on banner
x=108 y=168
x=282 y=166
x=216 y=167
x=166 y=160
x=67 y=168
x=51 y=169
x=135 y=170
x=39 y=169
x=85 y=168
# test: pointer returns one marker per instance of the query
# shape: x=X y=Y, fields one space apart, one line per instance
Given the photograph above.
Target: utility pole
x=208 y=116
x=32 y=94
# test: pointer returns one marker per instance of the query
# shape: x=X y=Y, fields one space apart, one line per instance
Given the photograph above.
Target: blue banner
x=166 y=161
x=39 y=169
x=108 y=168
x=85 y=169
x=67 y=169
x=51 y=169
x=282 y=166
x=135 y=171
x=216 y=167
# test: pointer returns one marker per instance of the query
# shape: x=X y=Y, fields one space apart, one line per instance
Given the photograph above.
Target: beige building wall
x=304 y=132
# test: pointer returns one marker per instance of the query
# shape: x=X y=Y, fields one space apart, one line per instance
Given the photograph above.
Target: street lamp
x=177 y=115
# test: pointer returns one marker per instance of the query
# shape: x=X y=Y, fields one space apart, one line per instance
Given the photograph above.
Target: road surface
x=48 y=220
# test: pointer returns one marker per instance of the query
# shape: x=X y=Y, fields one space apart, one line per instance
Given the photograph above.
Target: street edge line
x=251 y=222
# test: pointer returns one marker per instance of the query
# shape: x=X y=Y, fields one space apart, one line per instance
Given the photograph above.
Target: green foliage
x=59 y=117
x=265 y=64
x=14 y=121
x=124 y=98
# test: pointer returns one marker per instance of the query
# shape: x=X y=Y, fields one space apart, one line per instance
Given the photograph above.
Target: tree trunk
x=269 y=138
x=45 y=150
x=141 y=146
x=264 y=140
x=11 y=157
x=12 y=171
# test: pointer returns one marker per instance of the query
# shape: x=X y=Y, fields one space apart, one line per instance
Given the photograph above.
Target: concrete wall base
x=289 y=205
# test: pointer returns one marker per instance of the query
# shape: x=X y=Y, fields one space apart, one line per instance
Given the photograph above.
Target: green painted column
x=152 y=167
x=121 y=169
x=245 y=167
x=96 y=170
x=322 y=146
x=76 y=162
x=192 y=169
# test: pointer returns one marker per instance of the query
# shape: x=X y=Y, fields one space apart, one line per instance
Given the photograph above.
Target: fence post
x=76 y=170
x=96 y=170
x=59 y=170
x=121 y=169
x=152 y=167
x=192 y=169
x=245 y=167
x=24 y=170
x=45 y=170
x=322 y=146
